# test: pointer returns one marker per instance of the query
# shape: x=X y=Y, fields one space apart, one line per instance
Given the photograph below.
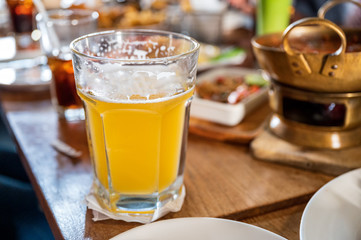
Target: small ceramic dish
x=226 y=113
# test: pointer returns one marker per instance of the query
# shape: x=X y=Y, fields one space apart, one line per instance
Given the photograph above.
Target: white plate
x=25 y=74
x=24 y=70
x=9 y=51
x=197 y=229
x=334 y=212
x=224 y=113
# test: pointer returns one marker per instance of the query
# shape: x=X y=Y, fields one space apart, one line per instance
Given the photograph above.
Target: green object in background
x=229 y=53
x=272 y=16
x=255 y=79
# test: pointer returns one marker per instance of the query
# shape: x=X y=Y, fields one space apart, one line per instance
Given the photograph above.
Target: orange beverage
x=64 y=83
x=118 y=128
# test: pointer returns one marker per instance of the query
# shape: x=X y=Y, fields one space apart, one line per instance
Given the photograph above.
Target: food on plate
x=230 y=89
x=213 y=54
x=227 y=54
x=207 y=52
x=119 y=16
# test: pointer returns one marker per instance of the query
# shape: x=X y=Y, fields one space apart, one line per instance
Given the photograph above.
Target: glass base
x=71 y=114
x=140 y=208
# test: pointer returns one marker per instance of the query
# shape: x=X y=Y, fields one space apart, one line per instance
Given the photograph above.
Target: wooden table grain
x=222 y=179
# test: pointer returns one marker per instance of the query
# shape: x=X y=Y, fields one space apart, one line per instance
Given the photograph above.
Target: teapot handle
x=330 y=4
x=331 y=62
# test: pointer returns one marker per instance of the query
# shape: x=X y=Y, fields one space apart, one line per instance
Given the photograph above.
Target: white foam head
x=115 y=82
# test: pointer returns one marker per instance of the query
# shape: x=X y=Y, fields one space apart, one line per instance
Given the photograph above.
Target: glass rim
x=149 y=60
x=91 y=16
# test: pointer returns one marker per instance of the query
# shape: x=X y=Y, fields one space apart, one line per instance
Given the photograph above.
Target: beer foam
x=115 y=83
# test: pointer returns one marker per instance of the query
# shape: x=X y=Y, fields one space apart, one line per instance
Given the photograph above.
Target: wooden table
x=222 y=179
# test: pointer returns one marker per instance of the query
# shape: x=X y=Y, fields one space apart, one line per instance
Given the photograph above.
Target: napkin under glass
x=100 y=213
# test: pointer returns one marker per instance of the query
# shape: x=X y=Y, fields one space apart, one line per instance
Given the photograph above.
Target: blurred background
x=223 y=27
x=216 y=22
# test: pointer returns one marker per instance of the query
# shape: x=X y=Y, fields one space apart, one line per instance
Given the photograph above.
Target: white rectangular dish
x=226 y=113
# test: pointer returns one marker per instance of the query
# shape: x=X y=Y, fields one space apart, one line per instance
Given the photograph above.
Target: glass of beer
x=58 y=29
x=137 y=87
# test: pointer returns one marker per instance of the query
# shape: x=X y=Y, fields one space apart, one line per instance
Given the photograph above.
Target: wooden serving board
x=248 y=129
x=268 y=147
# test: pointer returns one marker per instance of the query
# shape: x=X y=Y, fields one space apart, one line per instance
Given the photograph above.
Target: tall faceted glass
x=137 y=87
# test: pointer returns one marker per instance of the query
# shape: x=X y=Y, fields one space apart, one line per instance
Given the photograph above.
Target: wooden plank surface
x=222 y=179
x=283 y=222
x=333 y=162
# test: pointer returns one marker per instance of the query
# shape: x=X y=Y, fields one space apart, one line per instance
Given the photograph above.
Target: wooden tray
x=244 y=132
x=270 y=148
